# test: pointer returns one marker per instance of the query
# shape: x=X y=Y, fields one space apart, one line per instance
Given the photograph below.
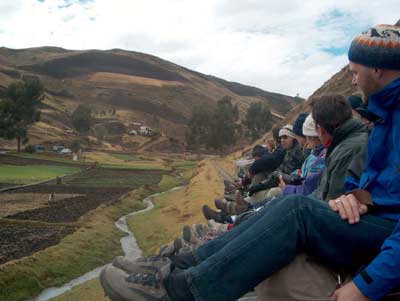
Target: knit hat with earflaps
x=379 y=47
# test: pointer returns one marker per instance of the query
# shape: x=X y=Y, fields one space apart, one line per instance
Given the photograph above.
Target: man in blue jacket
x=360 y=228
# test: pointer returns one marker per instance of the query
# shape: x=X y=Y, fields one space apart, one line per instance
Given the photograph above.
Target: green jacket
x=349 y=139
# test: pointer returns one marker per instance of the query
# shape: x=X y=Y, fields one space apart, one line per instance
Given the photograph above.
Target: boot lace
x=146 y=279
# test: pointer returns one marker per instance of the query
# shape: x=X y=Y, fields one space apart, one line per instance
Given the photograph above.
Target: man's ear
x=321 y=131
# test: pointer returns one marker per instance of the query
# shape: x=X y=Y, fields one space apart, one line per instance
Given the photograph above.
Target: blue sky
x=286 y=46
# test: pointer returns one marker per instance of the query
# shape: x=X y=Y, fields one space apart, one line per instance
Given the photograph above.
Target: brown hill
x=339 y=83
x=126 y=87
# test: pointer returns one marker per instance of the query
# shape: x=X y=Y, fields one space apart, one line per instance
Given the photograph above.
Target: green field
x=32 y=173
x=97 y=240
x=49 y=156
x=127 y=157
x=95 y=243
x=115 y=181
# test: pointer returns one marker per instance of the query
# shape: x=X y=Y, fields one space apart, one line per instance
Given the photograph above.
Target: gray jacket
x=349 y=139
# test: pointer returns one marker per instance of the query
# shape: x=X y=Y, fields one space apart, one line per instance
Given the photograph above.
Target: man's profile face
x=363 y=78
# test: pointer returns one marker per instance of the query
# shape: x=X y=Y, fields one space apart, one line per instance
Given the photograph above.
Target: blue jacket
x=381 y=178
x=311 y=170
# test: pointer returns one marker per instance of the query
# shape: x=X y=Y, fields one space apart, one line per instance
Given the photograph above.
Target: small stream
x=129 y=247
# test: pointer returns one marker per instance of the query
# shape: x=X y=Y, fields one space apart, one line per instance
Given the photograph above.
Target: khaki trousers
x=301 y=280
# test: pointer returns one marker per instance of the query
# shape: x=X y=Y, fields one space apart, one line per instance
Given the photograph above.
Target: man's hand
x=348 y=207
x=282 y=183
x=349 y=292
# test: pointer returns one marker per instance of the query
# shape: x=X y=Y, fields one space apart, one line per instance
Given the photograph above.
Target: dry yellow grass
x=175 y=209
x=89 y=291
x=107 y=77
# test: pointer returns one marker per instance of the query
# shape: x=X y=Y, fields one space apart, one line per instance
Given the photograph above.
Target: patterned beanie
x=379 y=47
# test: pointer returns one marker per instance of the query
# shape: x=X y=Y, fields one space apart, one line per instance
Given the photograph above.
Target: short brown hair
x=330 y=111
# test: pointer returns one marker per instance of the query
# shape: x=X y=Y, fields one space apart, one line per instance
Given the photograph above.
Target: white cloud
x=286 y=46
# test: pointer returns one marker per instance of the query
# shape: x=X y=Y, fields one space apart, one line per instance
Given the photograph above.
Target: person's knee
x=296 y=202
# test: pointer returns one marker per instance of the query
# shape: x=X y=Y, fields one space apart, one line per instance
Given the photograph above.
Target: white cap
x=309 y=128
x=287 y=130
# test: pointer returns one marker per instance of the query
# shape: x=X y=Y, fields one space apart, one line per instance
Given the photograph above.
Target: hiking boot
x=201 y=230
x=241 y=204
x=140 y=265
x=181 y=244
x=230 y=196
x=167 y=250
x=178 y=244
x=221 y=205
x=216 y=228
x=189 y=235
x=219 y=217
x=229 y=186
x=121 y=286
x=184 y=260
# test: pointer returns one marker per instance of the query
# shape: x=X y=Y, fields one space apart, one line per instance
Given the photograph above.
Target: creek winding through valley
x=129 y=247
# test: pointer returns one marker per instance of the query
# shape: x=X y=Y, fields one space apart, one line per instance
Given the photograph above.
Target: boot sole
x=108 y=290
x=137 y=294
x=187 y=234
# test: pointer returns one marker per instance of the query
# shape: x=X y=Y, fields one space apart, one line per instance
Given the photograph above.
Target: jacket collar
x=345 y=130
x=383 y=101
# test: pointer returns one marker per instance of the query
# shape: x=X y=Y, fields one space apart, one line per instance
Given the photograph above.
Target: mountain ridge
x=135 y=85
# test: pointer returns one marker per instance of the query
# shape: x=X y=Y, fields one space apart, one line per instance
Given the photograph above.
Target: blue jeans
x=234 y=263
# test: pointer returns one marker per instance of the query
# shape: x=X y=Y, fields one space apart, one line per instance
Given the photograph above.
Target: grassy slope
x=89 y=291
x=115 y=181
x=204 y=186
x=94 y=244
x=125 y=161
x=32 y=173
x=175 y=209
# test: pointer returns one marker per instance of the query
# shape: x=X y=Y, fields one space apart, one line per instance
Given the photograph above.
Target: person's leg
x=208 y=249
x=274 y=192
x=271 y=241
x=257 y=178
x=258 y=196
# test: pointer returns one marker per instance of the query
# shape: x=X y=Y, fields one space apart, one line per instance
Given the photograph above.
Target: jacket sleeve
x=382 y=275
x=336 y=177
x=309 y=185
x=266 y=163
x=355 y=171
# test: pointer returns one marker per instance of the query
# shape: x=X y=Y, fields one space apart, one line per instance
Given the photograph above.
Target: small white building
x=145 y=131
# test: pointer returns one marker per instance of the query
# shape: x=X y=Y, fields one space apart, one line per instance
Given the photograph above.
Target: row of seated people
x=341 y=242
x=275 y=169
x=304 y=160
